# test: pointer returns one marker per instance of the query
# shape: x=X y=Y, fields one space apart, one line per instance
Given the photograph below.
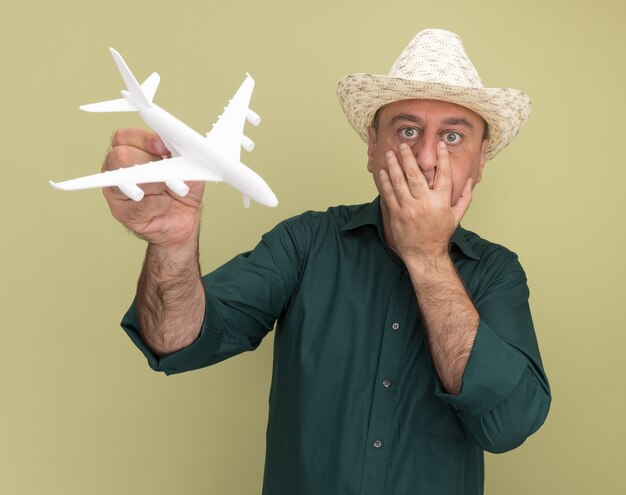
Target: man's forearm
x=450 y=318
x=170 y=298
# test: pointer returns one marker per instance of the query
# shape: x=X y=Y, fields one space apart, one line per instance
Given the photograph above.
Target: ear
x=371 y=146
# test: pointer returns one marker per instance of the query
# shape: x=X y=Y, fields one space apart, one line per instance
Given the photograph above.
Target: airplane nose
x=270 y=199
x=251 y=185
x=267 y=196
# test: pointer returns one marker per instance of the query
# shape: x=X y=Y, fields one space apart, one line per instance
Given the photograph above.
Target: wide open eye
x=452 y=137
x=408 y=132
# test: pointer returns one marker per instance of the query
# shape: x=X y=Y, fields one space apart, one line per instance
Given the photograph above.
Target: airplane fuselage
x=182 y=140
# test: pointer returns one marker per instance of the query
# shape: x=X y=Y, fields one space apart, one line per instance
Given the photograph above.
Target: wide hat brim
x=504 y=109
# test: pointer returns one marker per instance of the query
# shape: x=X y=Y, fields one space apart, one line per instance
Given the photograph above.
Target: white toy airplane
x=214 y=158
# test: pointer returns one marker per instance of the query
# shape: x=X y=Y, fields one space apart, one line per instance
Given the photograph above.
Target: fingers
x=121 y=156
x=387 y=190
x=115 y=194
x=131 y=147
x=407 y=179
x=397 y=181
x=148 y=141
x=404 y=182
x=443 y=175
x=415 y=179
x=444 y=183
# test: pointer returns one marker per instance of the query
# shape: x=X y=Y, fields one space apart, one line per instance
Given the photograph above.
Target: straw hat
x=435 y=66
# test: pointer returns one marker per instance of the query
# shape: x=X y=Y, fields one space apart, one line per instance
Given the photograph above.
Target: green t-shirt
x=356 y=406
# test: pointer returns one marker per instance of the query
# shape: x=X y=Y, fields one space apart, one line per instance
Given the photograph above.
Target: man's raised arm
x=170 y=296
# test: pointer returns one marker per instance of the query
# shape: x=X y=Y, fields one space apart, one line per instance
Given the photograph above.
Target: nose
x=425 y=152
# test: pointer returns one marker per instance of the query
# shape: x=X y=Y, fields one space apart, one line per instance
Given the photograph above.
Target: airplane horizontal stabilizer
x=150 y=85
x=119 y=105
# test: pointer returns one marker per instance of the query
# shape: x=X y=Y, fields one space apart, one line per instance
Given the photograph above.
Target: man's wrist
x=429 y=265
x=173 y=258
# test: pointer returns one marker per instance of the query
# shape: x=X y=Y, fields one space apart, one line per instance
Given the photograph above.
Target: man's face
x=422 y=124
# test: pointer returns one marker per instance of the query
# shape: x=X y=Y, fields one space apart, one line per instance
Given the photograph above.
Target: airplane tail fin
x=136 y=94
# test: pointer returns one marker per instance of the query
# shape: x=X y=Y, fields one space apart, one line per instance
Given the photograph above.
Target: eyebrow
x=459 y=121
x=406 y=116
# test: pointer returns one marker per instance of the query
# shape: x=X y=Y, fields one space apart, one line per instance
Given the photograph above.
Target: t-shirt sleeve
x=505 y=394
x=244 y=298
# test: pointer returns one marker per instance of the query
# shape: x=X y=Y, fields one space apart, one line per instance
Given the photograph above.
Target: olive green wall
x=81 y=412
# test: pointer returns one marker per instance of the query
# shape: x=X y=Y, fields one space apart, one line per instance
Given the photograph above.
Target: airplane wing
x=227 y=133
x=169 y=169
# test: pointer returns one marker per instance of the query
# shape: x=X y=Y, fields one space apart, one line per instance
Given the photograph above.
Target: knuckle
x=120 y=136
x=126 y=135
x=110 y=196
x=151 y=141
x=118 y=157
x=391 y=200
x=397 y=181
x=411 y=176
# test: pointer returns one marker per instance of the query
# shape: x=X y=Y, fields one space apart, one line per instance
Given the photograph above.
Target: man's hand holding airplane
x=166 y=209
x=161 y=218
x=170 y=294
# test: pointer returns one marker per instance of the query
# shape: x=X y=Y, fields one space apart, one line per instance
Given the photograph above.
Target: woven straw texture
x=435 y=66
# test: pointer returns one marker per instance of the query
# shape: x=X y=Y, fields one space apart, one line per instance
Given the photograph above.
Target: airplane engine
x=253 y=117
x=133 y=191
x=178 y=186
x=247 y=143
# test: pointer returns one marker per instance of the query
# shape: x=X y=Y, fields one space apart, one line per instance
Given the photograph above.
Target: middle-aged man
x=404 y=344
